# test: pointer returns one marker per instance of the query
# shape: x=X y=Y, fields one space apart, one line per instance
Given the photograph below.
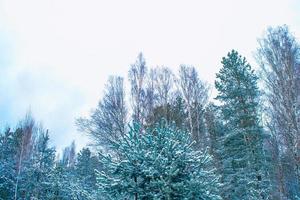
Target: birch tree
x=195 y=95
x=137 y=77
x=279 y=58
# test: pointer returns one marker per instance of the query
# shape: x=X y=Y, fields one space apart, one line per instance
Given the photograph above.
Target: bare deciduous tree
x=108 y=121
x=279 y=57
x=164 y=80
x=137 y=77
x=150 y=96
x=25 y=146
x=69 y=155
x=195 y=94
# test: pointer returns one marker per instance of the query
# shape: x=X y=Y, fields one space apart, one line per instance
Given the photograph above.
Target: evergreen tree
x=243 y=154
x=7 y=164
x=176 y=113
x=36 y=176
x=65 y=186
x=85 y=170
x=215 y=132
x=26 y=162
x=160 y=164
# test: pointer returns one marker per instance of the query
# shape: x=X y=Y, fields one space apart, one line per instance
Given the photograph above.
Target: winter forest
x=165 y=136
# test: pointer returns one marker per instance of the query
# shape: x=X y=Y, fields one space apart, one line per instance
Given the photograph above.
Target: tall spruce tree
x=242 y=154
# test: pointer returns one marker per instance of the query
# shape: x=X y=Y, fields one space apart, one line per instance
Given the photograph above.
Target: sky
x=56 y=55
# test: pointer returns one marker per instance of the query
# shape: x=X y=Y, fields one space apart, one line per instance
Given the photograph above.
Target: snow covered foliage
x=75 y=180
x=157 y=164
x=239 y=147
x=26 y=162
x=28 y=169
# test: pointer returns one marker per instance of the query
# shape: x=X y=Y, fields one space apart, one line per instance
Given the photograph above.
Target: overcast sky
x=55 y=55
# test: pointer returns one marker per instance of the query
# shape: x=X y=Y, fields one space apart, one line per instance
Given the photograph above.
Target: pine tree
x=176 y=113
x=215 y=132
x=85 y=170
x=26 y=162
x=7 y=164
x=36 y=178
x=243 y=154
x=160 y=164
x=67 y=184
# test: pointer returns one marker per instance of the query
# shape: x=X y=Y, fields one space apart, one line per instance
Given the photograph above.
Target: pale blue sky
x=55 y=55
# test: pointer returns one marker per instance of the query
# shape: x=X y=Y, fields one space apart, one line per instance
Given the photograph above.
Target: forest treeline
x=170 y=141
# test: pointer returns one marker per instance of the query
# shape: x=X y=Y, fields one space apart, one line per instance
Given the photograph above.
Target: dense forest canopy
x=172 y=140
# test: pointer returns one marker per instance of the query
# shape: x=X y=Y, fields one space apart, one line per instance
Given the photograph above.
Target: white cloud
x=63 y=50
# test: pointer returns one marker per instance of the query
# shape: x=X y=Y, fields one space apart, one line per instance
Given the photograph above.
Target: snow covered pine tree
x=157 y=164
